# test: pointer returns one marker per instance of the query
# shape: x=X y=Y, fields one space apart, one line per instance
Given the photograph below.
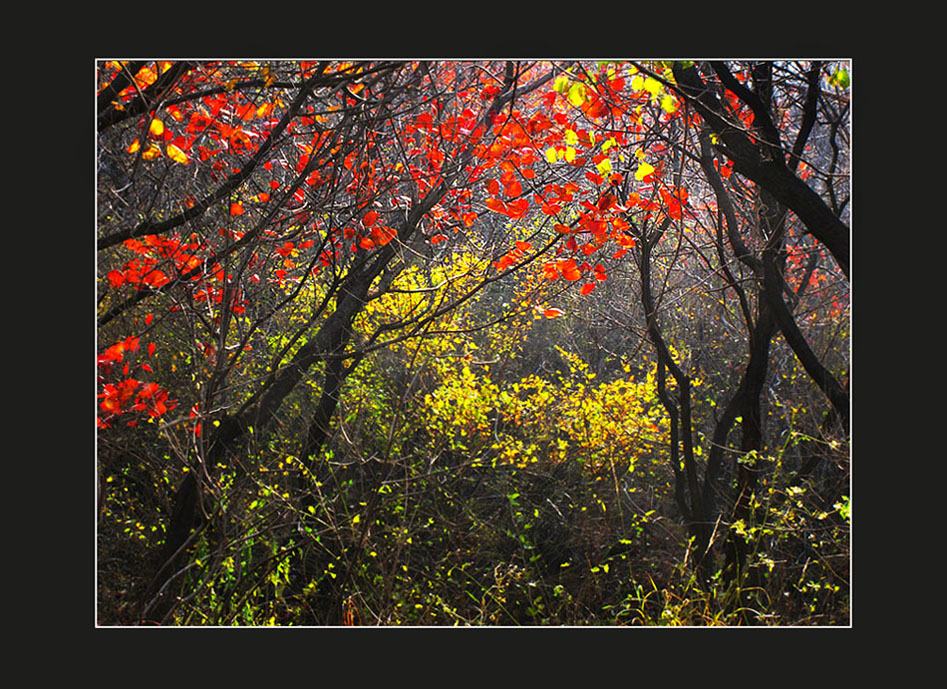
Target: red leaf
x=569 y=270
x=381 y=234
x=518 y=208
x=587 y=287
x=496 y=205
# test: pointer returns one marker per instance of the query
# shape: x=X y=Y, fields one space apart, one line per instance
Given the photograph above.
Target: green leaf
x=841 y=79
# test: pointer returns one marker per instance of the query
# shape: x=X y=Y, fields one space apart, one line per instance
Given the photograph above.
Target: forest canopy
x=458 y=342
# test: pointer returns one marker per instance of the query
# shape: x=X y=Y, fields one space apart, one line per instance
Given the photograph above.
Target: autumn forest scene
x=442 y=343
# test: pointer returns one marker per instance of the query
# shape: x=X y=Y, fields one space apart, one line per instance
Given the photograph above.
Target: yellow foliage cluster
x=604 y=426
x=462 y=400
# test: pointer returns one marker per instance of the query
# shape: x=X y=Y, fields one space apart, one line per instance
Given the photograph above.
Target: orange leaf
x=496 y=205
x=587 y=287
x=552 y=313
x=151 y=152
x=236 y=209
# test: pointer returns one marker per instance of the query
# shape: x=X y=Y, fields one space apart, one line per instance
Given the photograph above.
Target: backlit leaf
x=653 y=86
x=151 y=152
x=176 y=154
x=577 y=94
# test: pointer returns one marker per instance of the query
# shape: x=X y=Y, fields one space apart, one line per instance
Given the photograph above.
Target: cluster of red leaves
x=377 y=234
x=737 y=107
x=514 y=256
x=173 y=253
x=153 y=250
x=123 y=394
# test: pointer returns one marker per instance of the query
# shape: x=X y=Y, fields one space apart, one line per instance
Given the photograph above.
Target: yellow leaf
x=570 y=154
x=177 y=155
x=551 y=154
x=561 y=84
x=577 y=94
x=653 y=86
x=604 y=167
x=156 y=128
x=643 y=171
